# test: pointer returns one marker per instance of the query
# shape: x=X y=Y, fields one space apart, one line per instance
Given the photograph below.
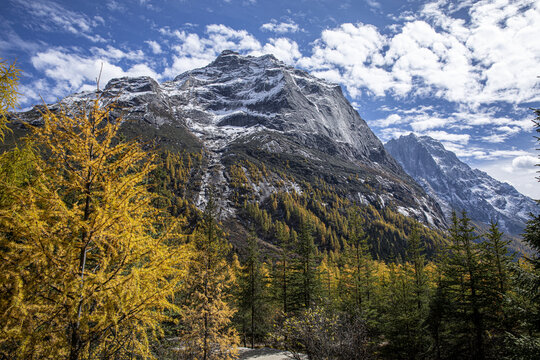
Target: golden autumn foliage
x=9 y=80
x=206 y=332
x=87 y=265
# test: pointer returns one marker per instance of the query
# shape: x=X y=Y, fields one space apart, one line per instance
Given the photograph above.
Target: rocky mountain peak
x=458 y=187
x=259 y=108
x=132 y=85
x=232 y=58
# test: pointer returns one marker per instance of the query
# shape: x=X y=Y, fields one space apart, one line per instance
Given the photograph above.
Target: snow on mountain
x=258 y=107
x=456 y=186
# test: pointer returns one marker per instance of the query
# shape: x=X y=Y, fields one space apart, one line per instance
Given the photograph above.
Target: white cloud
x=392 y=133
x=154 y=46
x=50 y=16
x=495 y=138
x=483 y=154
x=353 y=51
x=501 y=38
x=283 y=49
x=391 y=119
x=11 y=40
x=494 y=128
x=280 y=28
x=495 y=57
x=114 y=5
x=193 y=51
x=522 y=178
x=110 y=52
x=426 y=124
x=525 y=162
x=74 y=72
x=373 y=4
x=426 y=62
x=462 y=139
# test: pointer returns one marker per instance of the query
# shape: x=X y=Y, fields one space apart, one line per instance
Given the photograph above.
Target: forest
x=103 y=256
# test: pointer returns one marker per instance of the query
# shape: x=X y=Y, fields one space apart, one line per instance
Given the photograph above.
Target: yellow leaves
x=206 y=314
x=9 y=80
x=96 y=261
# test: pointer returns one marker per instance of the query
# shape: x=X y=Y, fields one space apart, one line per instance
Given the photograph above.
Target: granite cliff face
x=456 y=186
x=257 y=108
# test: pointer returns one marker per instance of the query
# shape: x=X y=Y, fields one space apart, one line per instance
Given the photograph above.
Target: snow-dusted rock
x=456 y=186
x=258 y=105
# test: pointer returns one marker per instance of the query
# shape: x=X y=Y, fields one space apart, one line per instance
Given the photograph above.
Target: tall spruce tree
x=405 y=310
x=283 y=268
x=464 y=274
x=329 y=282
x=358 y=271
x=397 y=323
x=531 y=236
x=525 y=295
x=416 y=257
x=304 y=285
x=416 y=273
x=498 y=261
x=253 y=302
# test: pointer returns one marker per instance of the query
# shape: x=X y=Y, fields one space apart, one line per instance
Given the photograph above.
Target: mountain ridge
x=255 y=115
x=458 y=187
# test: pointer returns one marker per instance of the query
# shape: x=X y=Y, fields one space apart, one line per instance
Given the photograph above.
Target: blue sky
x=464 y=72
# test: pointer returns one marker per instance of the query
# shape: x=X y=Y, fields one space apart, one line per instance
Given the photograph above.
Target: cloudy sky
x=464 y=72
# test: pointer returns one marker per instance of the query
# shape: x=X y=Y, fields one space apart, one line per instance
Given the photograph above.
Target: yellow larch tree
x=88 y=264
x=9 y=80
x=206 y=332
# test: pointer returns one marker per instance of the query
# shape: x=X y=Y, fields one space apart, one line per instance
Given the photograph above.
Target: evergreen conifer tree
x=464 y=274
x=525 y=294
x=498 y=260
x=358 y=268
x=253 y=304
x=304 y=283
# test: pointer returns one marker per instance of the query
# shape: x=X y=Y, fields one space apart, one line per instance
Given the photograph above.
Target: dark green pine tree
x=420 y=342
x=357 y=256
x=525 y=299
x=405 y=316
x=305 y=280
x=532 y=237
x=281 y=274
x=498 y=258
x=531 y=234
x=438 y=305
x=498 y=275
x=415 y=255
x=464 y=274
x=253 y=300
x=396 y=321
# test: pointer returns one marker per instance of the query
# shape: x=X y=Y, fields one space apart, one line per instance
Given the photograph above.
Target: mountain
x=456 y=186
x=269 y=134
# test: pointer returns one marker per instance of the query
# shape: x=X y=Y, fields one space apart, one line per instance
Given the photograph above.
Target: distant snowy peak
x=456 y=186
